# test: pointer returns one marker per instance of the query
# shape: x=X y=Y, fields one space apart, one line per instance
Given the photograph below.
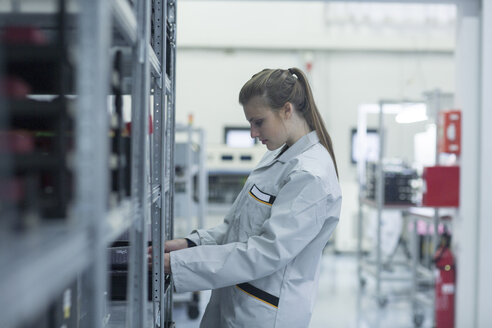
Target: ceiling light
x=412 y=113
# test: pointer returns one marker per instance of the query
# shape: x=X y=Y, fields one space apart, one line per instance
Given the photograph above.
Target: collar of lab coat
x=298 y=148
x=301 y=145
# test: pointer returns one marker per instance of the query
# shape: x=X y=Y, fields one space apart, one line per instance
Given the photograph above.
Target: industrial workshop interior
x=245 y=163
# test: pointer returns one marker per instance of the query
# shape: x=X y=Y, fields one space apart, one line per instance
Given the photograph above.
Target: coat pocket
x=257 y=208
x=252 y=310
x=261 y=196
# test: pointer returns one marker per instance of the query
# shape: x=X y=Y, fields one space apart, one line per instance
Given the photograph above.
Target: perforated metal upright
x=158 y=171
x=162 y=155
x=170 y=76
x=157 y=178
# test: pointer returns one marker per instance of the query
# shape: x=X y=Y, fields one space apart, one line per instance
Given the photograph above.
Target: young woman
x=263 y=262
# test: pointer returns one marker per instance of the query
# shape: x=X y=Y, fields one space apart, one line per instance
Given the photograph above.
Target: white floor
x=340 y=302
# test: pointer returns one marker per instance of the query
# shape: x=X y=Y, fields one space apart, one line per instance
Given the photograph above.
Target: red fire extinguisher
x=445 y=284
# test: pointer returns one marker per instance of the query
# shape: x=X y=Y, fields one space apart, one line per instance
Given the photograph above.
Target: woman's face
x=266 y=124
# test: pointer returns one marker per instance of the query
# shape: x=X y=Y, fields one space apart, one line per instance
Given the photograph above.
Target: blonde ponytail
x=313 y=116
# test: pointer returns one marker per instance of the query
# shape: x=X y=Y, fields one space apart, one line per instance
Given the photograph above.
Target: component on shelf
x=14 y=87
x=64 y=311
x=397 y=183
x=16 y=142
x=39 y=67
x=441 y=186
x=128 y=126
x=11 y=190
x=23 y=35
x=36 y=137
x=118 y=285
x=121 y=172
x=118 y=257
x=33 y=63
x=120 y=144
x=38 y=115
x=449 y=131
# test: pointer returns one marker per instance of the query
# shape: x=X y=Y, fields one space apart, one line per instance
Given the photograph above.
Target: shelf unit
x=37 y=263
x=375 y=268
x=415 y=273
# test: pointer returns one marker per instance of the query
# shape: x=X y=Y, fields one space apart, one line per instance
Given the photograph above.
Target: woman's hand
x=170 y=245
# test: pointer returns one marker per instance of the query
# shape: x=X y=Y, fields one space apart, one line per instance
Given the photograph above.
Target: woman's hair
x=277 y=87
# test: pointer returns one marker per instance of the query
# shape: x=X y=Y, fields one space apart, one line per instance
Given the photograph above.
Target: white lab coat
x=263 y=262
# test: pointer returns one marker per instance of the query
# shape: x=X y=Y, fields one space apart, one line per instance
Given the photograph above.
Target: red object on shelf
x=128 y=126
x=442 y=186
x=12 y=190
x=24 y=35
x=17 y=142
x=450 y=131
x=14 y=87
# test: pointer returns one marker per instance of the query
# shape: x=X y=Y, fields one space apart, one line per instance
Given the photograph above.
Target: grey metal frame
x=137 y=264
x=158 y=142
x=168 y=183
x=92 y=154
x=77 y=247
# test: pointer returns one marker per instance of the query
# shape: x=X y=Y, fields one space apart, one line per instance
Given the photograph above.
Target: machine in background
x=190 y=194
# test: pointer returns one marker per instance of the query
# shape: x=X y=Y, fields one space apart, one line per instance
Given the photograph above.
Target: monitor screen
x=238 y=137
x=372 y=146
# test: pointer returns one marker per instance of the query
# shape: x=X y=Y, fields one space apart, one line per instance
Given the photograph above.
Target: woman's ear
x=287 y=110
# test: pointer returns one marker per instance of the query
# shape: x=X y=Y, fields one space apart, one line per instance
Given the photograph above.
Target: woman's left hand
x=167 y=261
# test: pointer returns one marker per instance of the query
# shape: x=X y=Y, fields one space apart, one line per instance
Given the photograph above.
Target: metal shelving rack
x=418 y=274
x=75 y=248
x=374 y=267
x=164 y=91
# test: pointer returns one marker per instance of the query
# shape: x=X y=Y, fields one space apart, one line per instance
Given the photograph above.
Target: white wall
x=314 y=25
x=208 y=84
x=220 y=50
